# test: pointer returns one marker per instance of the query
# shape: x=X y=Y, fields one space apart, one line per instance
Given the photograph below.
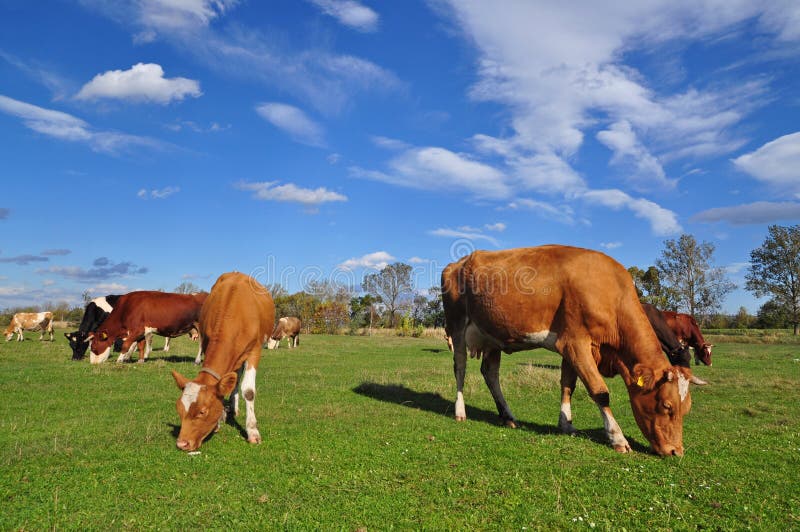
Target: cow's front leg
x=147 y=348
x=490 y=369
x=568 y=380
x=199 y=357
x=579 y=354
x=166 y=344
x=249 y=393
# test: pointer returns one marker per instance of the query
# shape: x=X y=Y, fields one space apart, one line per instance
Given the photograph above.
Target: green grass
x=358 y=433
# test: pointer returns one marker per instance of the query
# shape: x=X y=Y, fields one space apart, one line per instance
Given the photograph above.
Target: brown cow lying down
x=30 y=321
x=235 y=319
x=580 y=304
x=288 y=327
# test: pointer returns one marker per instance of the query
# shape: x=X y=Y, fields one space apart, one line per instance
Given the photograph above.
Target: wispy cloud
x=64 y=126
x=610 y=245
x=498 y=227
x=24 y=260
x=663 y=222
x=349 y=13
x=560 y=212
x=4 y=213
x=293 y=121
x=56 y=252
x=377 y=260
x=272 y=191
x=418 y=260
x=102 y=269
x=759 y=212
x=161 y=193
x=143 y=82
x=468 y=235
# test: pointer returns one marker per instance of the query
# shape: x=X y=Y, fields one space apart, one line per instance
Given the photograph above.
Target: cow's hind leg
x=490 y=369
x=568 y=380
x=579 y=353
x=249 y=393
x=460 y=371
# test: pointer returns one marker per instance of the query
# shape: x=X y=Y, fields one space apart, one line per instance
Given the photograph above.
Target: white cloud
x=468 y=235
x=271 y=191
x=142 y=83
x=559 y=213
x=435 y=168
x=374 y=261
x=623 y=141
x=293 y=121
x=158 y=193
x=418 y=260
x=662 y=221
x=776 y=163
x=349 y=13
x=177 y=15
x=389 y=143
x=610 y=245
x=759 y=212
x=498 y=227
x=64 y=126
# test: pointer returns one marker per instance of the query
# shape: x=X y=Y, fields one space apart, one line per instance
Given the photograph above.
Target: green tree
x=685 y=268
x=772 y=315
x=651 y=290
x=775 y=270
x=389 y=285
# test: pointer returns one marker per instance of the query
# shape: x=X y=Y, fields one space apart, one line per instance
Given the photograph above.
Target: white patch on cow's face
x=683 y=386
x=102 y=303
x=102 y=357
x=190 y=392
x=546 y=339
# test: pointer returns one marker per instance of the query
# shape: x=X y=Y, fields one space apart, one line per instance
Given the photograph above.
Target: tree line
x=684 y=278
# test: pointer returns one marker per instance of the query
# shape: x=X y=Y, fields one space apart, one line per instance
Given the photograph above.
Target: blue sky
x=152 y=142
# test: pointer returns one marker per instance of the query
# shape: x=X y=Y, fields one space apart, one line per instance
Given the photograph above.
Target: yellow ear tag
x=640 y=381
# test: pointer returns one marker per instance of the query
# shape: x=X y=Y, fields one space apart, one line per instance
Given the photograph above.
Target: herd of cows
x=579 y=303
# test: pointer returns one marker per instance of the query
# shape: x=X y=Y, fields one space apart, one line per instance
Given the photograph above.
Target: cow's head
x=100 y=344
x=659 y=401
x=703 y=354
x=78 y=342
x=200 y=408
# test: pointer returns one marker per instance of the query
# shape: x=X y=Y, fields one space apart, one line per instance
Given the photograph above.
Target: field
x=359 y=434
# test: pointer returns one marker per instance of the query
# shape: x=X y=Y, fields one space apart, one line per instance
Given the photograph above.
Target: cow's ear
x=643 y=377
x=180 y=380
x=226 y=384
x=68 y=336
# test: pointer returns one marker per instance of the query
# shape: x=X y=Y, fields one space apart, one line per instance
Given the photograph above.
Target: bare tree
x=775 y=270
x=187 y=287
x=686 y=269
x=389 y=285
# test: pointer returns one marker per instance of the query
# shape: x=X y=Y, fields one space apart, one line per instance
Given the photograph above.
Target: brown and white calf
x=139 y=315
x=580 y=304
x=235 y=319
x=30 y=321
x=288 y=327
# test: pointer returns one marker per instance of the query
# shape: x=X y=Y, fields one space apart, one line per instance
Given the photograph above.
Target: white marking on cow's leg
x=568 y=380
x=565 y=419
x=614 y=433
x=148 y=343
x=125 y=355
x=189 y=396
x=460 y=370
x=166 y=344
x=249 y=393
x=199 y=358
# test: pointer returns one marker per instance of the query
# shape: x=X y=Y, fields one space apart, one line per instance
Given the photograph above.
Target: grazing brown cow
x=139 y=315
x=677 y=353
x=580 y=304
x=30 y=321
x=688 y=332
x=236 y=318
x=286 y=327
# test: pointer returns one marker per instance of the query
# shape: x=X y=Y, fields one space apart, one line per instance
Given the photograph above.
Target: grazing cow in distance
x=286 y=327
x=677 y=353
x=139 y=315
x=95 y=313
x=688 y=332
x=236 y=317
x=580 y=304
x=30 y=321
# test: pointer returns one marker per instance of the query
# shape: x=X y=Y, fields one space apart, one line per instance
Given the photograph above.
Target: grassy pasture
x=358 y=433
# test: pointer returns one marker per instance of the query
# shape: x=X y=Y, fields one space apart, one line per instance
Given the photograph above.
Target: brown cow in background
x=235 y=319
x=288 y=327
x=580 y=304
x=688 y=332
x=30 y=321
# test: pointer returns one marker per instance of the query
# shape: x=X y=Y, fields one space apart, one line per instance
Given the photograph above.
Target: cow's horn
x=694 y=379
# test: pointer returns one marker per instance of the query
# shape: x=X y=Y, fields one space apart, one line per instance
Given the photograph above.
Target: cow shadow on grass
x=177 y=358
x=435 y=403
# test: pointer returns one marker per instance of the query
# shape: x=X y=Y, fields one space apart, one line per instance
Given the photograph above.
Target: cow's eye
x=202 y=413
x=667 y=406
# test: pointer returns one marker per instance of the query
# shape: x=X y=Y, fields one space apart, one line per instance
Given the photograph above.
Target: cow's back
x=525 y=291
x=237 y=315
